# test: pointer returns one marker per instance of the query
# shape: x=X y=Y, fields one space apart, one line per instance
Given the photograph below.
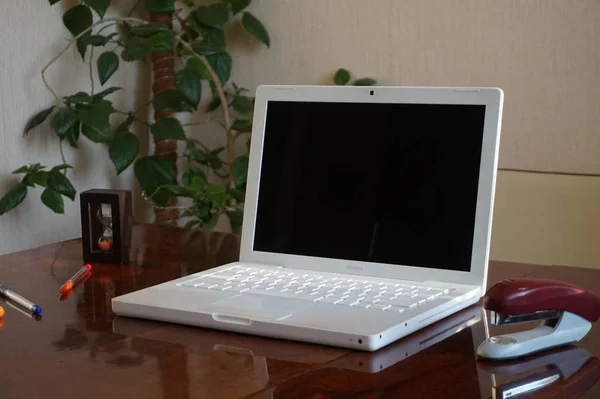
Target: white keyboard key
x=379 y=306
x=327 y=300
x=346 y=302
x=398 y=309
x=361 y=304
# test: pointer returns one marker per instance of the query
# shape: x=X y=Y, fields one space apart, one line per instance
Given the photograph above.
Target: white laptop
x=367 y=217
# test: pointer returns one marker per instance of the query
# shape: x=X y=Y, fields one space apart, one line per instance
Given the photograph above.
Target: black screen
x=387 y=183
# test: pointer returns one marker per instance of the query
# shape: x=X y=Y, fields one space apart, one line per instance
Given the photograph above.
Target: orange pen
x=75 y=279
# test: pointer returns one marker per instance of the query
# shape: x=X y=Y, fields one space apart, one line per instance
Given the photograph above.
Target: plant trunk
x=163 y=72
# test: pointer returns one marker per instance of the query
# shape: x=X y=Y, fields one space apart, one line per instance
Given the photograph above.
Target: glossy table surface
x=79 y=349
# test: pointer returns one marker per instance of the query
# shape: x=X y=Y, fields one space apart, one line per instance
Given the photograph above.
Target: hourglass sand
x=104 y=215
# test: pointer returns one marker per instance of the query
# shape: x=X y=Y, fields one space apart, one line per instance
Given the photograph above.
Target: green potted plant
x=214 y=180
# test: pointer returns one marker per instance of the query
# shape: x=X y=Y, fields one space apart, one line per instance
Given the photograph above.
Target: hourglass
x=104 y=215
x=106 y=223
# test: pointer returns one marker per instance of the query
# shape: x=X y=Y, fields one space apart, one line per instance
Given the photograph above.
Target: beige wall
x=31 y=33
x=547 y=219
x=545 y=54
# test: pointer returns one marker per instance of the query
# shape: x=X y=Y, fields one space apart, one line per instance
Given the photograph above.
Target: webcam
x=372 y=92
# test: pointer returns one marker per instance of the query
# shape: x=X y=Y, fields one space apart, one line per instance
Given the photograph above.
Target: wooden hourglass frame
x=106 y=223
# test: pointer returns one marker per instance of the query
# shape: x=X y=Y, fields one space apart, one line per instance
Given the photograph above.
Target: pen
x=1 y=312
x=30 y=306
x=75 y=279
x=21 y=310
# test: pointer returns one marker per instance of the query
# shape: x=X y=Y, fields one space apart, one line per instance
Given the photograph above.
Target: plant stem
x=141 y=107
x=74 y=40
x=220 y=92
x=92 y=70
x=214 y=77
x=62 y=155
x=137 y=3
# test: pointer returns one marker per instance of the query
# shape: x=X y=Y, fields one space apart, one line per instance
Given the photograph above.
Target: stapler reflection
x=571 y=370
x=566 y=312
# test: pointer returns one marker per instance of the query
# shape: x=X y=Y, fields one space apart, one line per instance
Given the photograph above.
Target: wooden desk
x=80 y=350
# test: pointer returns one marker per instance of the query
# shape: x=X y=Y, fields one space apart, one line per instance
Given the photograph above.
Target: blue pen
x=32 y=307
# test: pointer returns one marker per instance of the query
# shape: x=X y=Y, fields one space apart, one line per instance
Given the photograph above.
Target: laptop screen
x=386 y=183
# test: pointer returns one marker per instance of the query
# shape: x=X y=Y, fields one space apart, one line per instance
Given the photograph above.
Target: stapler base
x=568 y=329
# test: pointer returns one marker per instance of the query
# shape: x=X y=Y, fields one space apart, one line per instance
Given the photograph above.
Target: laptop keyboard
x=391 y=295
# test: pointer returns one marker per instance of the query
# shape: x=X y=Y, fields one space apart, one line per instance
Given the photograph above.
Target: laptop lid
x=394 y=182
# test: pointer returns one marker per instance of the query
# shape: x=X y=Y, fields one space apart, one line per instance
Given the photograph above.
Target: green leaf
x=96 y=40
x=40 y=178
x=64 y=166
x=12 y=198
x=237 y=194
x=147 y=30
x=191 y=174
x=100 y=6
x=179 y=191
x=216 y=193
x=198 y=68
x=171 y=100
x=213 y=36
x=365 y=82
x=29 y=169
x=22 y=169
x=73 y=134
x=61 y=184
x=211 y=223
x=123 y=150
x=242 y=125
x=134 y=49
x=214 y=104
x=94 y=118
x=38 y=119
x=168 y=129
x=78 y=98
x=239 y=5
x=256 y=28
x=214 y=15
x=341 y=77
x=239 y=171
x=202 y=209
x=214 y=161
x=221 y=64
x=106 y=92
x=161 y=42
x=153 y=172
x=198 y=155
x=160 y=6
x=77 y=19
x=206 y=48
x=248 y=142
x=236 y=218
x=52 y=2
x=189 y=85
x=53 y=200
x=108 y=63
x=81 y=46
x=63 y=121
x=198 y=183
x=97 y=133
x=242 y=104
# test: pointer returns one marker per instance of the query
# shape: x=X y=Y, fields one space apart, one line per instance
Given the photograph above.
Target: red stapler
x=567 y=312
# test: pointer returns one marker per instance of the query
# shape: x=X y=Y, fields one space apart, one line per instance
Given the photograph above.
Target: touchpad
x=259 y=306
